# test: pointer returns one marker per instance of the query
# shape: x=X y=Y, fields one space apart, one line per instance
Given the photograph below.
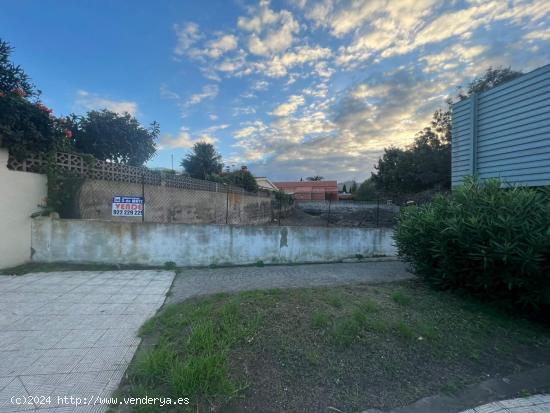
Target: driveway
x=71 y=334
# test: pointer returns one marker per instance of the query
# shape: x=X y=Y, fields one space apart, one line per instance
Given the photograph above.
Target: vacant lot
x=320 y=349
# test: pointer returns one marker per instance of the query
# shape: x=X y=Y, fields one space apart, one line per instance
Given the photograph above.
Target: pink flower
x=43 y=108
x=68 y=133
x=20 y=91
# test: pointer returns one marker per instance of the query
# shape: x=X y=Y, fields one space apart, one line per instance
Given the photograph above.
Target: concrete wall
x=97 y=241
x=174 y=205
x=22 y=192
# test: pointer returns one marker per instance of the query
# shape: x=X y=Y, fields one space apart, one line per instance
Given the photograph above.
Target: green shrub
x=490 y=242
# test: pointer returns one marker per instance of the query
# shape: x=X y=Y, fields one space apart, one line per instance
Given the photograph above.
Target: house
x=310 y=190
x=504 y=132
x=264 y=183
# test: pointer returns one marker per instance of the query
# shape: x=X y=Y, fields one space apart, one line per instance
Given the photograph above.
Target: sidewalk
x=204 y=281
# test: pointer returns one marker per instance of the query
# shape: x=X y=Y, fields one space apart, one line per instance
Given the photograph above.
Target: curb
x=475 y=395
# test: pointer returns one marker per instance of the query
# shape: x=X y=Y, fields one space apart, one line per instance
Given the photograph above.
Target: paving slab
x=66 y=334
x=539 y=403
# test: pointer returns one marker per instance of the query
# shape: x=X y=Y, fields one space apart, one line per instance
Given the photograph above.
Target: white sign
x=128 y=206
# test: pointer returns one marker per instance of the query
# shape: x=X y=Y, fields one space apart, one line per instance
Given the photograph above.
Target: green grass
x=351 y=348
x=400 y=297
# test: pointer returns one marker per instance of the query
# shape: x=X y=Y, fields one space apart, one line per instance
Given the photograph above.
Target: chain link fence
x=343 y=213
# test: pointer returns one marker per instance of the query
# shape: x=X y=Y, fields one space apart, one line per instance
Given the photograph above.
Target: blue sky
x=289 y=88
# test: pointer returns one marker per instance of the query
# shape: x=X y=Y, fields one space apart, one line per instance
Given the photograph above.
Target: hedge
x=490 y=242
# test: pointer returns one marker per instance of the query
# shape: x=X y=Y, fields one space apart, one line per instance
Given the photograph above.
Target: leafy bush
x=26 y=125
x=490 y=242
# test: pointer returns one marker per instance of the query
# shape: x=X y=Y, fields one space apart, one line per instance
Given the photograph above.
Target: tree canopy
x=203 y=161
x=26 y=125
x=115 y=137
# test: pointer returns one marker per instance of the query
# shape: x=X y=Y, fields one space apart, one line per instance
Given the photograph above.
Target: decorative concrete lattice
x=109 y=171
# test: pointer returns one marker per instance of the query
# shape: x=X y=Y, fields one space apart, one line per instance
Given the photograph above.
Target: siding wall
x=505 y=132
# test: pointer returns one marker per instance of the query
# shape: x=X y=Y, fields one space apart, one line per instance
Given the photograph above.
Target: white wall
x=21 y=193
x=95 y=241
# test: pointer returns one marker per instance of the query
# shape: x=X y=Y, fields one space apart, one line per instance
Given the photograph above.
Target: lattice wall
x=110 y=171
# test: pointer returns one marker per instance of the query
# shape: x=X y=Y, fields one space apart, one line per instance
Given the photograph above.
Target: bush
x=490 y=242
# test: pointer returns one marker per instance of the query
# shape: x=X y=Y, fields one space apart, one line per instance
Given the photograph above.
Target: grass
x=350 y=348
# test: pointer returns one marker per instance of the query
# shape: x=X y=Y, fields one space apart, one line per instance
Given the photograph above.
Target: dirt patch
x=369 y=218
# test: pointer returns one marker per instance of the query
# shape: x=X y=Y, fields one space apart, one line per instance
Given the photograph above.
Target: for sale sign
x=128 y=206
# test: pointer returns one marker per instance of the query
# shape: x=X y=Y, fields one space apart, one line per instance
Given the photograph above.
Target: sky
x=289 y=88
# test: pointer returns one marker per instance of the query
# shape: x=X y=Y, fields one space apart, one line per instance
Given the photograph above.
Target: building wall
x=96 y=241
x=310 y=190
x=505 y=132
x=22 y=192
x=177 y=205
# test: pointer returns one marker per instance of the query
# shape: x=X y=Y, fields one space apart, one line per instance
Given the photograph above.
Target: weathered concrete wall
x=167 y=204
x=196 y=245
x=22 y=192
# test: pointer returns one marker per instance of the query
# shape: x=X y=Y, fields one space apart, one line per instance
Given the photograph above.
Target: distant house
x=310 y=190
x=505 y=132
x=345 y=196
x=264 y=183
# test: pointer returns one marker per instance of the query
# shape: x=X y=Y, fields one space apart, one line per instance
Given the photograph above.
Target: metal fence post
x=226 y=204
x=143 y=196
x=328 y=216
x=377 y=212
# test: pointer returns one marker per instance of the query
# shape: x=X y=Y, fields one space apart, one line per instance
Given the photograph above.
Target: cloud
x=270 y=31
x=91 y=101
x=222 y=44
x=208 y=92
x=187 y=35
x=541 y=34
x=289 y=107
x=348 y=78
x=184 y=140
x=243 y=110
x=260 y=85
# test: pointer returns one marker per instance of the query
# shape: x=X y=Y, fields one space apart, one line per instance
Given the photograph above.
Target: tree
x=12 y=77
x=353 y=187
x=26 y=125
x=366 y=191
x=427 y=162
x=314 y=178
x=115 y=137
x=491 y=78
x=242 y=178
x=344 y=189
x=202 y=161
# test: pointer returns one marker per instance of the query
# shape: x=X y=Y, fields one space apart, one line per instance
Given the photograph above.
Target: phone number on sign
x=127 y=212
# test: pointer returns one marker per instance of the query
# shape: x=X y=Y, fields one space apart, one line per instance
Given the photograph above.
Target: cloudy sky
x=289 y=88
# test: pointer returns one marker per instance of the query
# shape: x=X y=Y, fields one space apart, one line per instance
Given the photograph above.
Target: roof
x=299 y=184
x=308 y=186
x=264 y=183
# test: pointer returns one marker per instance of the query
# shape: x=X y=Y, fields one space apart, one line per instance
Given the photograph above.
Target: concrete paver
x=539 y=403
x=71 y=334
